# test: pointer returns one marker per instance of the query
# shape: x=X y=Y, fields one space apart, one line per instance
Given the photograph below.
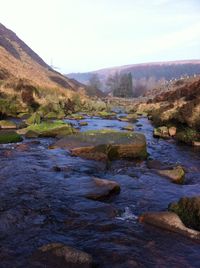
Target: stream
x=40 y=203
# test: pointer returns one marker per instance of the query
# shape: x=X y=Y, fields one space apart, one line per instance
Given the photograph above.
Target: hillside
x=27 y=83
x=145 y=75
x=18 y=60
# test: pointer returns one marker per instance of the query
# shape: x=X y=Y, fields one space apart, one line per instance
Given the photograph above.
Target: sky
x=87 y=35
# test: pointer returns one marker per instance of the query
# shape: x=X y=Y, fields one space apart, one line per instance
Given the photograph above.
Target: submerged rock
x=176 y=174
x=169 y=221
x=60 y=255
x=105 y=145
x=188 y=209
x=82 y=124
x=156 y=164
x=9 y=136
x=103 y=189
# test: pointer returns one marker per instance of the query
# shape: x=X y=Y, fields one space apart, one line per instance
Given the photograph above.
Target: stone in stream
x=102 y=189
x=82 y=124
x=104 y=145
x=188 y=209
x=128 y=128
x=161 y=132
x=169 y=221
x=4 y=124
x=47 y=129
x=176 y=175
x=128 y=118
x=93 y=188
x=58 y=255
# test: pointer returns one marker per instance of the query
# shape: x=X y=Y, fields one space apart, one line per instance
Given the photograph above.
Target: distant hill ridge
x=159 y=70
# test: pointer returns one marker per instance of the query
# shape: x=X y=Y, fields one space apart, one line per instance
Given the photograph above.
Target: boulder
x=60 y=255
x=169 y=221
x=9 y=136
x=176 y=175
x=161 y=132
x=104 y=145
x=4 y=124
x=172 y=131
x=188 y=209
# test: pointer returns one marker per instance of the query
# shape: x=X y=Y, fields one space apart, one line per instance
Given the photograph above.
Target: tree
x=95 y=82
x=121 y=85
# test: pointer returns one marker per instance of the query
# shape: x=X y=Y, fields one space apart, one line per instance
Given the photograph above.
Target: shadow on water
x=41 y=202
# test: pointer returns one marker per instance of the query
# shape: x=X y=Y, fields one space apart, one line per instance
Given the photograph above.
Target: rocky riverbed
x=55 y=206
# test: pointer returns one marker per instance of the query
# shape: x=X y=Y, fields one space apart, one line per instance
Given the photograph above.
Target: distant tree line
x=121 y=85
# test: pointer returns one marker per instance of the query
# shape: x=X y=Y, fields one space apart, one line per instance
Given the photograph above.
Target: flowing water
x=41 y=203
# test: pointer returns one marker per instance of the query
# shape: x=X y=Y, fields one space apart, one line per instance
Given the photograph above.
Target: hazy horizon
x=82 y=36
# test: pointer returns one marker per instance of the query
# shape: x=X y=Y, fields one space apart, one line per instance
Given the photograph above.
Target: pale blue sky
x=84 y=35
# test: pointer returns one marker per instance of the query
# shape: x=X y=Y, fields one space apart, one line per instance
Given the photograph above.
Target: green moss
x=188 y=209
x=34 y=119
x=9 y=137
x=50 y=129
x=187 y=135
x=76 y=117
x=10 y=107
x=105 y=114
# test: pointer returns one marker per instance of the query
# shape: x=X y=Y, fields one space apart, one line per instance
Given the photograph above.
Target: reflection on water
x=40 y=202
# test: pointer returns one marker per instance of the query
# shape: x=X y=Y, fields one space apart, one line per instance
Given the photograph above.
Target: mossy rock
x=49 y=129
x=129 y=118
x=187 y=135
x=76 y=117
x=105 y=144
x=188 y=209
x=106 y=115
x=34 y=119
x=9 y=137
x=161 y=132
x=54 y=115
x=4 y=124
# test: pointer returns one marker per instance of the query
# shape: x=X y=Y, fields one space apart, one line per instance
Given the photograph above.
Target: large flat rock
x=105 y=145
